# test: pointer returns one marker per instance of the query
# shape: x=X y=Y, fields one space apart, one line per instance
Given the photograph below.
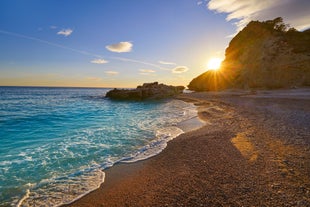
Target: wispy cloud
x=180 y=69
x=13 y=34
x=147 y=71
x=110 y=72
x=120 y=47
x=99 y=61
x=65 y=32
x=199 y=2
x=148 y=74
x=294 y=12
x=48 y=43
x=53 y=27
x=139 y=62
x=166 y=63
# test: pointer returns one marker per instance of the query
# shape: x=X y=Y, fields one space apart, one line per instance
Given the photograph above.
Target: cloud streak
x=139 y=62
x=294 y=12
x=120 y=47
x=65 y=32
x=180 y=69
x=79 y=51
x=99 y=61
x=199 y=3
x=166 y=63
x=48 y=43
x=147 y=71
x=110 y=72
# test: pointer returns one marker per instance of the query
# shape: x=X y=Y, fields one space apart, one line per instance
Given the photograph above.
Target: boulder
x=146 y=91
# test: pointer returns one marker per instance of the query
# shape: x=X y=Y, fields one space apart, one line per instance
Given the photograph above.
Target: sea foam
x=61 y=139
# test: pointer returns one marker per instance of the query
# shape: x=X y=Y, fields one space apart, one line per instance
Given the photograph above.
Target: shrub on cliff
x=266 y=54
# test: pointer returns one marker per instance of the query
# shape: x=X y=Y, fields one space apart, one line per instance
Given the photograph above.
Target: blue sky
x=109 y=43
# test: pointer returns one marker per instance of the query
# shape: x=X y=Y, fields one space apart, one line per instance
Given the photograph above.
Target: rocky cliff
x=263 y=55
x=146 y=91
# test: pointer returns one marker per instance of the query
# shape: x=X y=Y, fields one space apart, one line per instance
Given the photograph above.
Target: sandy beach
x=254 y=150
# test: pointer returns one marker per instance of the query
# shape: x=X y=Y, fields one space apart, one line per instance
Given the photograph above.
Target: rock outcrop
x=263 y=55
x=146 y=91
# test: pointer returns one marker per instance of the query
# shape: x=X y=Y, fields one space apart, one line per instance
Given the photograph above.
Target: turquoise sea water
x=54 y=142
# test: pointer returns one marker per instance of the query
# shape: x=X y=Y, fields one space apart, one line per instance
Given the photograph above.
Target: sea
x=55 y=143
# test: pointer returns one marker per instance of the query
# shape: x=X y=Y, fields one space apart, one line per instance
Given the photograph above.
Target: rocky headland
x=264 y=55
x=145 y=92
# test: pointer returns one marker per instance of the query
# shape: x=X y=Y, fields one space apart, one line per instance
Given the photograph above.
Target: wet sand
x=253 y=151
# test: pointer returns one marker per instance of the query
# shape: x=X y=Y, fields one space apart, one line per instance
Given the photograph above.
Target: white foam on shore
x=23 y=198
x=65 y=190
x=191 y=124
x=188 y=122
x=99 y=183
x=60 y=191
x=156 y=146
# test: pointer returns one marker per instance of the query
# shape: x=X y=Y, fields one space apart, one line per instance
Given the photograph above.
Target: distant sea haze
x=55 y=142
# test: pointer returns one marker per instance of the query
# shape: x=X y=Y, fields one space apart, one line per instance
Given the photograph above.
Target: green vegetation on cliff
x=263 y=55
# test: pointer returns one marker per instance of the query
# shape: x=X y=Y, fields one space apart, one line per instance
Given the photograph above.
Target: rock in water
x=146 y=91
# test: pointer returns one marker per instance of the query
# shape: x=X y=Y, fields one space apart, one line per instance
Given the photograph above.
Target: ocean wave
x=64 y=159
x=163 y=136
x=67 y=189
x=64 y=190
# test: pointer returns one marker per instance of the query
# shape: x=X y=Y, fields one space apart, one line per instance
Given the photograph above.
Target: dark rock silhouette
x=263 y=55
x=146 y=91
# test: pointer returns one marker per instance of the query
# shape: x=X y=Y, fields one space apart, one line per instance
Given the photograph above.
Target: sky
x=122 y=43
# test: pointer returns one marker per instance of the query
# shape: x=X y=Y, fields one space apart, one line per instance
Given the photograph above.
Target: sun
x=214 y=63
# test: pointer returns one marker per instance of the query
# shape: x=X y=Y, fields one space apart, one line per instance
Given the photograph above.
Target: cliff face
x=262 y=55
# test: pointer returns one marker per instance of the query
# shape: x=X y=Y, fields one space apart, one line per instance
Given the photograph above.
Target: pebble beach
x=254 y=150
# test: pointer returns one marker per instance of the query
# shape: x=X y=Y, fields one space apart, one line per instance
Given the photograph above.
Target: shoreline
x=237 y=158
x=163 y=135
x=122 y=169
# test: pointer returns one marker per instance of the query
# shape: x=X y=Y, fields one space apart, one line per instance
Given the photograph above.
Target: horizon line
x=42 y=86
